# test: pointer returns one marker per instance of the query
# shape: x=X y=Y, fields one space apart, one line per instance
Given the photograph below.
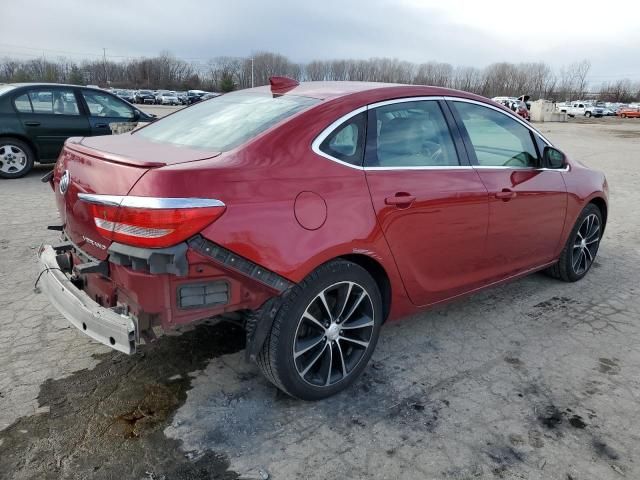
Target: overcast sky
x=461 y=32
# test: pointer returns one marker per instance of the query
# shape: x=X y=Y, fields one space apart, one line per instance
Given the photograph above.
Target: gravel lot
x=537 y=379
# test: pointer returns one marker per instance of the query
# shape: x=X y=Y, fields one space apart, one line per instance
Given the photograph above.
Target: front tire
x=324 y=333
x=581 y=248
x=16 y=158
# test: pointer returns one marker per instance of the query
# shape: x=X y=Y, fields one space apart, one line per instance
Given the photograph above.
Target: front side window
x=346 y=143
x=225 y=122
x=105 y=105
x=498 y=140
x=409 y=134
x=53 y=101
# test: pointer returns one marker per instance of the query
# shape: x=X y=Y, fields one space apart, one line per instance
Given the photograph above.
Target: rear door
x=527 y=203
x=105 y=111
x=431 y=205
x=49 y=116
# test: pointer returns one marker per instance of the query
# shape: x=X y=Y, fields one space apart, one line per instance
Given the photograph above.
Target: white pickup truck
x=580 y=108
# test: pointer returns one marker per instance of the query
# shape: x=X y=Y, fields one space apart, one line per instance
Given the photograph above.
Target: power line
x=76 y=53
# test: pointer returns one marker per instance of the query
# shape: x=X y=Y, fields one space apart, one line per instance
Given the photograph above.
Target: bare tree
x=226 y=73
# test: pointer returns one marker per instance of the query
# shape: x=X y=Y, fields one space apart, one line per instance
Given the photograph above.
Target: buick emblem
x=64 y=182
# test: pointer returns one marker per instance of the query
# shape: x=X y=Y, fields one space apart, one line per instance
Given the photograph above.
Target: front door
x=49 y=116
x=432 y=208
x=106 y=111
x=527 y=203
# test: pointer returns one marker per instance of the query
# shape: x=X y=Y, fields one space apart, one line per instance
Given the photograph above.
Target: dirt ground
x=536 y=379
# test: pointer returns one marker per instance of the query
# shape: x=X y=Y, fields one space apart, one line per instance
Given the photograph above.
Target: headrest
x=401 y=136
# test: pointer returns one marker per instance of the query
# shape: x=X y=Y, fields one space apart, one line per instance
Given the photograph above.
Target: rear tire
x=587 y=114
x=581 y=248
x=16 y=158
x=324 y=333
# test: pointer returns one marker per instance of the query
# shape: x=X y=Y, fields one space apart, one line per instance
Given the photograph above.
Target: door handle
x=101 y=125
x=400 y=199
x=32 y=124
x=506 y=194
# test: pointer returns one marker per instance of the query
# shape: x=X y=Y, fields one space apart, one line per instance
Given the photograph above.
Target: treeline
x=224 y=74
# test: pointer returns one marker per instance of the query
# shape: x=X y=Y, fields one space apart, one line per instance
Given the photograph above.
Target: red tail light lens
x=144 y=222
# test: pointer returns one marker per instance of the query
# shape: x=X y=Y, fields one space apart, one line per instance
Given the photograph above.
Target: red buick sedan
x=312 y=213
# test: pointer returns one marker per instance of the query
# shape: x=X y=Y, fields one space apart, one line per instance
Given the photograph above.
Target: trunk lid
x=97 y=165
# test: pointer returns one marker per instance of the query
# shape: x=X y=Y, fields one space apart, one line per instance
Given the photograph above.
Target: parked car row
x=629 y=112
x=580 y=108
x=518 y=105
x=598 y=109
x=164 y=97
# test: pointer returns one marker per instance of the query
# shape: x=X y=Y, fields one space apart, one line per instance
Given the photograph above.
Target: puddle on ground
x=108 y=422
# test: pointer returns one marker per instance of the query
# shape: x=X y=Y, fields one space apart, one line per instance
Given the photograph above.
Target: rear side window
x=53 y=101
x=23 y=104
x=409 y=134
x=223 y=123
x=346 y=143
x=498 y=140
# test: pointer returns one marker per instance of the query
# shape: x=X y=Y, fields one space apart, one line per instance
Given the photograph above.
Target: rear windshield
x=226 y=121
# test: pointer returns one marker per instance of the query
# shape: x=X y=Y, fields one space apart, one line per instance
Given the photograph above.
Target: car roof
x=49 y=84
x=370 y=90
x=45 y=84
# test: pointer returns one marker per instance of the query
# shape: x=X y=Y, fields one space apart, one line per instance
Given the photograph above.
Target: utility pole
x=251 y=72
x=104 y=61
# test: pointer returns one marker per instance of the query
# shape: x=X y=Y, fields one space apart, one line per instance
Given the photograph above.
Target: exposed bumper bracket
x=62 y=247
x=105 y=325
x=92 y=267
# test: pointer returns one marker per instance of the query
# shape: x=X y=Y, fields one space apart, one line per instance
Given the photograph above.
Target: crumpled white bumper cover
x=102 y=324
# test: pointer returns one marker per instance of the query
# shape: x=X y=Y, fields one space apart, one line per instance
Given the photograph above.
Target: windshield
x=225 y=122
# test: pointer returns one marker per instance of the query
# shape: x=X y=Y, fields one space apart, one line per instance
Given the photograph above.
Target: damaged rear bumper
x=105 y=325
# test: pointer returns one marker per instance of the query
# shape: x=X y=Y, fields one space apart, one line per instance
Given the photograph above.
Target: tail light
x=149 y=221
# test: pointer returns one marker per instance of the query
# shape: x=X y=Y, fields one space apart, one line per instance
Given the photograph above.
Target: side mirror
x=136 y=115
x=554 y=158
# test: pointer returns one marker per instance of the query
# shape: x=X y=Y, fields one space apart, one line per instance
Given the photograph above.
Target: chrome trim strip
x=403 y=100
x=149 y=202
x=315 y=146
x=112 y=200
x=430 y=167
x=498 y=109
x=507 y=167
